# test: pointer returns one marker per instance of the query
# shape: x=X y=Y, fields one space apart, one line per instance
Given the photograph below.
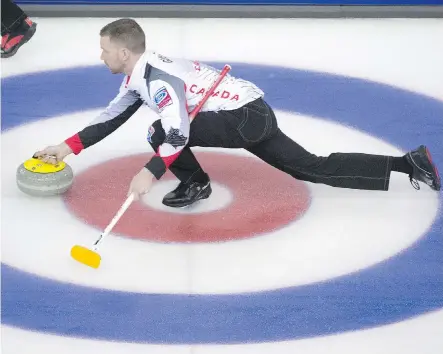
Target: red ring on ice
x=264 y=200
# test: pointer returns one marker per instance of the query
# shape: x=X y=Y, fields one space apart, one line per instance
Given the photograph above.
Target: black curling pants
x=12 y=16
x=254 y=128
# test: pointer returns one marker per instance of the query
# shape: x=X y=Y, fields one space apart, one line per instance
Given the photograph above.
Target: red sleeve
x=75 y=143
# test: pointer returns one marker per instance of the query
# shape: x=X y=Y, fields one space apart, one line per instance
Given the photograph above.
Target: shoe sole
x=204 y=194
x=436 y=175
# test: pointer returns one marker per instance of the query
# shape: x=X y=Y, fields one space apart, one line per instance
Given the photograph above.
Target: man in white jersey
x=235 y=116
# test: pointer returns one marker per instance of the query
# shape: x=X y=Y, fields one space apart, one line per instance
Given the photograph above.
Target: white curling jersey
x=196 y=79
x=172 y=88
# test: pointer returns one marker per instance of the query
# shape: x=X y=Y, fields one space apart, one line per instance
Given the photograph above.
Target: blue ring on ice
x=405 y=285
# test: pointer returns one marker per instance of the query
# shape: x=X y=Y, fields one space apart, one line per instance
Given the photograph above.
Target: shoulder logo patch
x=162 y=98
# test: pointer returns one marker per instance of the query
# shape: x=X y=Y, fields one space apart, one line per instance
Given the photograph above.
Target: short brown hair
x=126 y=31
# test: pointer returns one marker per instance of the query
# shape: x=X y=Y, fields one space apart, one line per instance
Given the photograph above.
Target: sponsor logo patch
x=151 y=132
x=162 y=98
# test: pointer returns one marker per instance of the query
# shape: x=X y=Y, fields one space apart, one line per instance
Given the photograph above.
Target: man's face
x=112 y=54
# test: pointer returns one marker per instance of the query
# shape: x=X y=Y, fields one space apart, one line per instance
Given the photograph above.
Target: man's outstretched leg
x=346 y=170
x=194 y=182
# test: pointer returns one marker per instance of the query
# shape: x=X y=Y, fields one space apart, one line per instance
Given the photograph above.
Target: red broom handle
x=208 y=94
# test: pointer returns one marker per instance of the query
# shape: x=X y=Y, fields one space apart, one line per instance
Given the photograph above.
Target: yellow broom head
x=86 y=256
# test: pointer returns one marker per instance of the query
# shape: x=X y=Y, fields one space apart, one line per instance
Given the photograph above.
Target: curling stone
x=38 y=178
